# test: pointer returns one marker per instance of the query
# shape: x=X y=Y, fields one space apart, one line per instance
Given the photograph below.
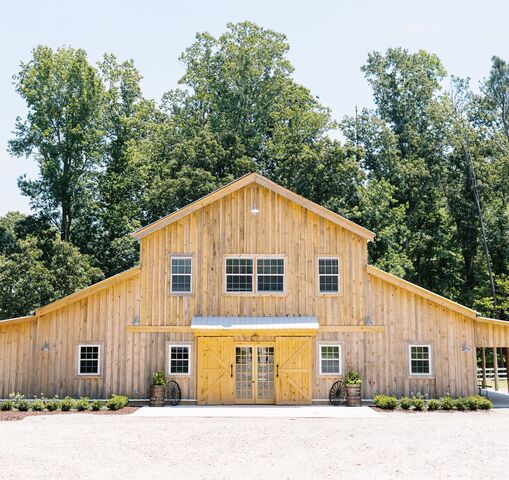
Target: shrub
x=67 y=404
x=471 y=402
x=19 y=402
x=82 y=404
x=461 y=404
x=22 y=405
x=405 y=403
x=484 y=403
x=97 y=405
x=116 y=402
x=38 y=405
x=53 y=404
x=434 y=404
x=159 y=378
x=447 y=403
x=417 y=403
x=352 y=378
x=6 y=406
x=385 y=401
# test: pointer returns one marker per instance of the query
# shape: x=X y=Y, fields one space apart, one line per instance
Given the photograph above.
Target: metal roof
x=261 y=323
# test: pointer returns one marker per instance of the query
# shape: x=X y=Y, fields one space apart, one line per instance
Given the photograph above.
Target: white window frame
x=99 y=347
x=240 y=257
x=190 y=359
x=430 y=360
x=320 y=346
x=269 y=292
x=181 y=257
x=329 y=257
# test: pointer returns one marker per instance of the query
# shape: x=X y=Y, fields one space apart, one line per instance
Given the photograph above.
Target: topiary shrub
x=38 y=406
x=385 y=401
x=6 y=406
x=97 y=405
x=434 y=404
x=67 y=404
x=117 y=402
x=447 y=403
x=405 y=403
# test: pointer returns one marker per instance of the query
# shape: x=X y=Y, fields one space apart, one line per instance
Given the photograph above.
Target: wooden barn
x=251 y=294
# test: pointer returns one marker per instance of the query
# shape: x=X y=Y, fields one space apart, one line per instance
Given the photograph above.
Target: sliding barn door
x=294 y=358
x=215 y=370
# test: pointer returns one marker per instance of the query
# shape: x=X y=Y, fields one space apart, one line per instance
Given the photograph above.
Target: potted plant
x=158 y=389
x=353 y=383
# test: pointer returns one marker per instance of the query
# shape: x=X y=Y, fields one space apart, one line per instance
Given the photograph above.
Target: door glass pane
x=265 y=373
x=244 y=373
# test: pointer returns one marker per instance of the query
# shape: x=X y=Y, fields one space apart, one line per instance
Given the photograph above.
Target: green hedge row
x=20 y=403
x=419 y=403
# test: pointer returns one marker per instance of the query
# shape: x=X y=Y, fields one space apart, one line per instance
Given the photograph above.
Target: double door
x=254 y=373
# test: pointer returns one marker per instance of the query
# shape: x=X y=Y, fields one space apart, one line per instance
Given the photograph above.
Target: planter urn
x=157 y=394
x=353 y=395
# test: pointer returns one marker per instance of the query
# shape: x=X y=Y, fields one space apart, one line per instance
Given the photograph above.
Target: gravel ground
x=393 y=445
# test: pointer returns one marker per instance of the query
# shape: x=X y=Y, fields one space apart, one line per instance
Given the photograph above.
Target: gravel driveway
x=393 y=445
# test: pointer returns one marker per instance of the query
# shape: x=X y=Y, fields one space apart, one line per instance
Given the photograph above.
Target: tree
x=61 y=130
x=36 y=266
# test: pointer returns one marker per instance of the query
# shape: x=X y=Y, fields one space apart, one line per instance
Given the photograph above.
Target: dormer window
x=181 y=274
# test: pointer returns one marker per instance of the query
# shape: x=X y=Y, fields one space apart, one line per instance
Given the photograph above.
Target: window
x=270 y=274
x=239 y=274
x=330 y=359
x=180 y=360
x=420 y=359
x=89 y=360
x=328 y=275
x=181 y=274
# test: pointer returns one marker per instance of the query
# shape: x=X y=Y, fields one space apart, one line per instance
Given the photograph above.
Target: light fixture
x=255 y=211
x=45 y=347
x=465 y=347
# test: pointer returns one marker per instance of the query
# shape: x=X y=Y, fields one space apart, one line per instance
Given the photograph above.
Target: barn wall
x=409 y=318
x=227 y=227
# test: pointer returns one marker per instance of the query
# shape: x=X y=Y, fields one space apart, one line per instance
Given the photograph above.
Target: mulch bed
x=15 y=415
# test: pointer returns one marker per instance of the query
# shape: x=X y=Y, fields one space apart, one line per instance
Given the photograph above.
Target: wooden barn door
x=294 y=357
x=215 y=370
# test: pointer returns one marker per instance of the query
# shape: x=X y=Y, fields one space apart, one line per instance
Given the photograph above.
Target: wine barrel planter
x=157 y=394
x=353 y=395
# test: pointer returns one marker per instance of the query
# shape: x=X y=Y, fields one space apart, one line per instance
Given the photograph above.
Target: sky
x=329 y=41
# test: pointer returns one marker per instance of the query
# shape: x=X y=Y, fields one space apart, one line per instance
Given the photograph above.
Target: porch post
x=506 y=350
x=495 y=367
x=483 y=366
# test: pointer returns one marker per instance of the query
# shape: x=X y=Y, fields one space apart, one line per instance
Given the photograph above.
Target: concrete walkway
x=499 y=399
x=306 y=411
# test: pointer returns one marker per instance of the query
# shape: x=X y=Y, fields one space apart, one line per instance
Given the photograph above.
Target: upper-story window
x=239 y=274
x=242 y=276
x=270 y=274
x=328 y=274
x=181 y=274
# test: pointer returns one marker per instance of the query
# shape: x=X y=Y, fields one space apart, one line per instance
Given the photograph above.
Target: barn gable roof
x=254 y=178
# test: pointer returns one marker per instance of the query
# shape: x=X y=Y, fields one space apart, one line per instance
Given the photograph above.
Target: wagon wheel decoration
x=173 y=393
x=337 y=394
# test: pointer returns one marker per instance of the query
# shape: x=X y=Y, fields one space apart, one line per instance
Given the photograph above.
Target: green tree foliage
x=36 y=266
x=111 y=161
x=61 y=130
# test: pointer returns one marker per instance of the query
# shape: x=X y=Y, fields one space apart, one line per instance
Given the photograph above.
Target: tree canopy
x=418 y=169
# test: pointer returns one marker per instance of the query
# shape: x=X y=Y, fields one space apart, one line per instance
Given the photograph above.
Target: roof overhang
x=254 y=325
x=254 y=178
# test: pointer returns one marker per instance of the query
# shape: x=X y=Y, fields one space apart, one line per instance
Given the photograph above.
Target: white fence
x=490 y=373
